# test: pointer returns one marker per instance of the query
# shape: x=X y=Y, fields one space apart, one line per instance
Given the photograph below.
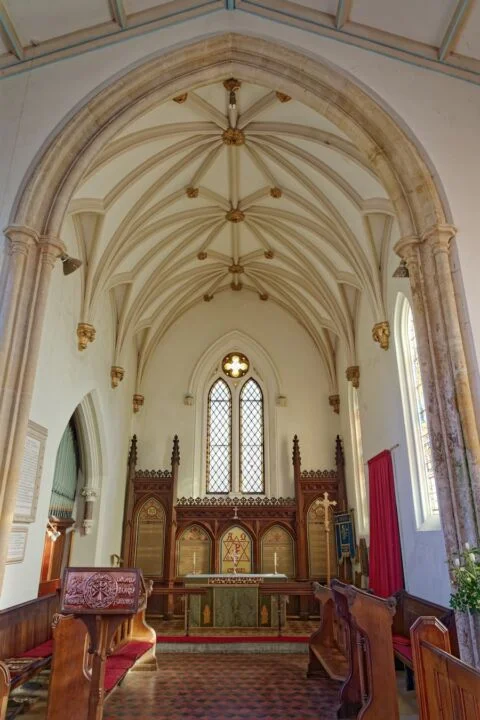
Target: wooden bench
x=409 y=609
x=326 y=647
x=132 y=648
x=25 y=643
x=447 y=688
x=371 y=620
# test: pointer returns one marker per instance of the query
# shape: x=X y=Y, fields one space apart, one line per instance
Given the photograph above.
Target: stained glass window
x=251 y=438
x=425 y=444
x=219 y=438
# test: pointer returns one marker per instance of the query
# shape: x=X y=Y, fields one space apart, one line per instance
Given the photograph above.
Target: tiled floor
x=217 y=687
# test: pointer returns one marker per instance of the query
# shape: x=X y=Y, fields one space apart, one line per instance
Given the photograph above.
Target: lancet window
x=416 y=424
x=235 y=437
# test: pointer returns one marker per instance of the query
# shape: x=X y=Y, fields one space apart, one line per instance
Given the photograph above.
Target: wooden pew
x=409 y=609
x=351 y=691
x=371 y=621
x=326 y=647
x=447 y=688
x=26 y=637
x=4 y=689
x=132 y=648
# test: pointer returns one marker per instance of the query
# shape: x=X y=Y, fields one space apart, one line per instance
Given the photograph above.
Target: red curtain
x=386 y=572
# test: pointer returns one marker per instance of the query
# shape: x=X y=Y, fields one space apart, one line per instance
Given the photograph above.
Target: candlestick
x=275 y=563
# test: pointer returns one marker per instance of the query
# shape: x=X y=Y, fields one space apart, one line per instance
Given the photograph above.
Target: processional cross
x=327 y=504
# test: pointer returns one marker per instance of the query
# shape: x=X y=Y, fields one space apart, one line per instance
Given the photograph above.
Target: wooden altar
x=234 y=601
x=170 y=537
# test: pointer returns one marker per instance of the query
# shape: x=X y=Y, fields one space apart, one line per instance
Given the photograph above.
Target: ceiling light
x=402 y=270
x=232 y=103
x=69 y=264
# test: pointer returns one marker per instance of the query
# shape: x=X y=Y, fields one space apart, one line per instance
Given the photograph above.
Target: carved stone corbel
x=86 y=334
x=90 y=495
x=117 y=374
x=381 y=334
x=353 y=375
x=138 y=401
x=334 y=402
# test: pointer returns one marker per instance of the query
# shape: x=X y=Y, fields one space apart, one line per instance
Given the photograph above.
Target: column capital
x=21 y=238
x=439 y=237
x=381 y=334
x=51 y=248
x=406 y=246
x=353 y=375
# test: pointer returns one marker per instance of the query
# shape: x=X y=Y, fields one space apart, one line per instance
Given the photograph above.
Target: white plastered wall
x=302 y=380
x=380 y=402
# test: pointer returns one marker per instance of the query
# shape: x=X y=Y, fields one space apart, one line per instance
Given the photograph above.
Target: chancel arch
x=150 y=297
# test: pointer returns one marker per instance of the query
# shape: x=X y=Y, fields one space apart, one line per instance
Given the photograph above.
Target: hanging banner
x=344 y=535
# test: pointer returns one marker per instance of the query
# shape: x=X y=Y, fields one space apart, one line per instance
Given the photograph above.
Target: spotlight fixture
x=53 y=534
x=69 y=264
x=402 y=270
x=232 y=103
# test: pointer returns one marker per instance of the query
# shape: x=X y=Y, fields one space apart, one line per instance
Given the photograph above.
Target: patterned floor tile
x=212 y=687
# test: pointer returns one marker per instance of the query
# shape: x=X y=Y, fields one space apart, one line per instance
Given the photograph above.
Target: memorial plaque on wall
x=317 y=542
x=150 y=538
x=278 y=540
x=17 y=542
x=30 y=473
x=193 y=551
x=105 y=591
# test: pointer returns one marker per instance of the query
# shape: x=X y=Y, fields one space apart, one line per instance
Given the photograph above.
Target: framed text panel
x=30 y=473
x=17 y=542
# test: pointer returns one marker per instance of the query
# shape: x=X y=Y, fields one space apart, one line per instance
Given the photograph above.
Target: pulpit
x=235 y=600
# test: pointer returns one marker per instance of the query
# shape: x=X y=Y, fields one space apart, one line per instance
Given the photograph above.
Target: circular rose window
x=235 y=365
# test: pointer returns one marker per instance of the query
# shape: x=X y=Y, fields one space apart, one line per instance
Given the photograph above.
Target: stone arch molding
x=393 y=155
x=264 y=371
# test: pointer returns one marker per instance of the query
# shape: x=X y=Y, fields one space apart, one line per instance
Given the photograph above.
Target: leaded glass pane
x=251 y=438
x=424 y=435
x=219 y=438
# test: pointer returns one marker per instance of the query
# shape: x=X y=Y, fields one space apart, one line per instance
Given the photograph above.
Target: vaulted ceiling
x=232 y=188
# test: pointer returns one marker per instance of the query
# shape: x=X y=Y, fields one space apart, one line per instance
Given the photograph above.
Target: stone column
x=27 y=283
x=90 y=495
x=453 y=478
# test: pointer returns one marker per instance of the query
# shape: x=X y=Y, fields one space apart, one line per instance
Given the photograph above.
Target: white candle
x=275 y=562
x=194 y=562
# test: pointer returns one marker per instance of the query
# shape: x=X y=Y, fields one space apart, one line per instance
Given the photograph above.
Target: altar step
x=232 y=644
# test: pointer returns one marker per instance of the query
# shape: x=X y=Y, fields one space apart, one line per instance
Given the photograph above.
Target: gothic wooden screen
x=278 y=540
x=193 y=551
x=150 y=537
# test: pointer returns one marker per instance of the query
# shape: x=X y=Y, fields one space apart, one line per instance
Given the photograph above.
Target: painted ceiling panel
x=424 y=21
x=40 y=20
